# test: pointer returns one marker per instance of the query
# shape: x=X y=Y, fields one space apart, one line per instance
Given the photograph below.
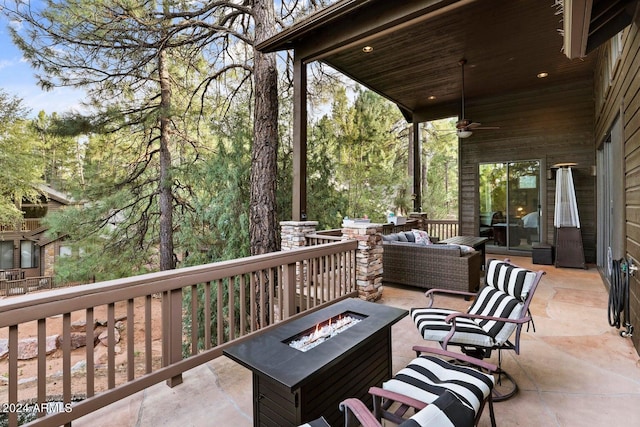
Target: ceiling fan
x=464 y=126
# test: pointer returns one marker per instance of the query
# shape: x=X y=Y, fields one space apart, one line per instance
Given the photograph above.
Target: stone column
x=49 y=259
x=292 y=235
x=422 y=219
x=368 y=257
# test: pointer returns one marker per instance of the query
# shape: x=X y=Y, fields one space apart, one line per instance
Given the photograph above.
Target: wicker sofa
x=430 y=266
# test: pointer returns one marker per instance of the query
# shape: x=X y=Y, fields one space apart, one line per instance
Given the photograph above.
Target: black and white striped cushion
x=512 y=280
x=494 y=302
x=432 y=326
x=473 y=332
x=427 y=378
x=446 y=411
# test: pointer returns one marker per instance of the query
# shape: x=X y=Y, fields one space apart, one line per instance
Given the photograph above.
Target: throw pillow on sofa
x=422 y=237
x=466 y=249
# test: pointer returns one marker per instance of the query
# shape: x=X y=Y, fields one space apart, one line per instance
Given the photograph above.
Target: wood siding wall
x=623 y=97
x=554 y=125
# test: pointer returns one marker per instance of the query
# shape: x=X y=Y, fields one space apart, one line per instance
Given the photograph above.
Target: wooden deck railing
x=335 y=234
x=23 y=286
x=169 y=321
x=27 y=224
x=442 y=228
x=390 y=228
x=323 y=237
x=11 y=274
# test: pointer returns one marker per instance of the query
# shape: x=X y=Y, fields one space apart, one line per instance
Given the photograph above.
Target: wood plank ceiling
x=506 y=43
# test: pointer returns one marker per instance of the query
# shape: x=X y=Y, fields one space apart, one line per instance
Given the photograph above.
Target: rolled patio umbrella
x=569 y=249
x=566 y=211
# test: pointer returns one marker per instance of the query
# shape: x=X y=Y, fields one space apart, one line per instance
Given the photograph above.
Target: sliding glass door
x=610 y=196
x=510 y=204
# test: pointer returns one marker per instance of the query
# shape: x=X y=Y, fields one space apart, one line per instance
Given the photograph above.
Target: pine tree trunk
x=165 y=198
x=262 y=207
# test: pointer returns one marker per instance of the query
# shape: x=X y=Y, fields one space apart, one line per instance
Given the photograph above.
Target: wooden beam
x=576 y=18
x=417 y=167
x=299 y=190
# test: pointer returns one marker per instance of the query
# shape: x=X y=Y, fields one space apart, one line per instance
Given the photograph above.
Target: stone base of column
x=292 y=233
x=368 y=257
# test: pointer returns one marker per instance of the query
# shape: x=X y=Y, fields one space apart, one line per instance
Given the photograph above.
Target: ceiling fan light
x=464 y=133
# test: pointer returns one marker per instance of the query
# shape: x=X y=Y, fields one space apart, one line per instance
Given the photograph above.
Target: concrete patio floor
x=575 y=370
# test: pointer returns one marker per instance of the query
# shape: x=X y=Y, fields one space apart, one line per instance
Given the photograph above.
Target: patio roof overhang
x=589 y=23
x=416 y=48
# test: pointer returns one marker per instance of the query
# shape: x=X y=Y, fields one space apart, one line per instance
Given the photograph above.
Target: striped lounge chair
x=500 y=308
x=441 y=393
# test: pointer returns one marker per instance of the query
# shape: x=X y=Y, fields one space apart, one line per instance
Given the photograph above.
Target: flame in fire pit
x=324 y=330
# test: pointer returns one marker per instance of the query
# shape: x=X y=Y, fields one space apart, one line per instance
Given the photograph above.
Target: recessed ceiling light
x=367 y=49
x=431 y=98
x=542 y=75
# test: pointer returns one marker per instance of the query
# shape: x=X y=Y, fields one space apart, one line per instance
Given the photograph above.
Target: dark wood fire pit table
x=292 y=387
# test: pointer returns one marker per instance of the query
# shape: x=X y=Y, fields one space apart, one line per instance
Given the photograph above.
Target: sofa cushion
x=464 y=249
x=443 y=247
x=393 y=237
x=421 y=237
x=449 y=250
x=402 y=237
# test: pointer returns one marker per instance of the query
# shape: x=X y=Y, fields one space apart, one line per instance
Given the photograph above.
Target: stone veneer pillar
x=422 y=219
x=49 y=259
x=292 y=233
x=368 y=257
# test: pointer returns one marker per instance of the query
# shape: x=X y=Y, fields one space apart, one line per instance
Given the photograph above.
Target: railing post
x=368 y=257
x=289 y=291
x=172 y=331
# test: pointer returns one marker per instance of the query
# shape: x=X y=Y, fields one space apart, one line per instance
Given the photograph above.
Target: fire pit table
x=303 y=368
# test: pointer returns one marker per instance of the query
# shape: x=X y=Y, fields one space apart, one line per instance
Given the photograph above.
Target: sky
x=18 y=78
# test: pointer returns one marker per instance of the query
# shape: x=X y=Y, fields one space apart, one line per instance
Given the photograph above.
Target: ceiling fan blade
x=486 y=127
x=446 y=131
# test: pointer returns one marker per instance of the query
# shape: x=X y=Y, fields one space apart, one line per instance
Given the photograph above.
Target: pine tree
x=21 y=168
x=134 y=59
x=370 y=153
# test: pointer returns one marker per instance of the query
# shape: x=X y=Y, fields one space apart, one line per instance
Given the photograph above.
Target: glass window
x=6 y=255
x=29 y=254
x=65 y=251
